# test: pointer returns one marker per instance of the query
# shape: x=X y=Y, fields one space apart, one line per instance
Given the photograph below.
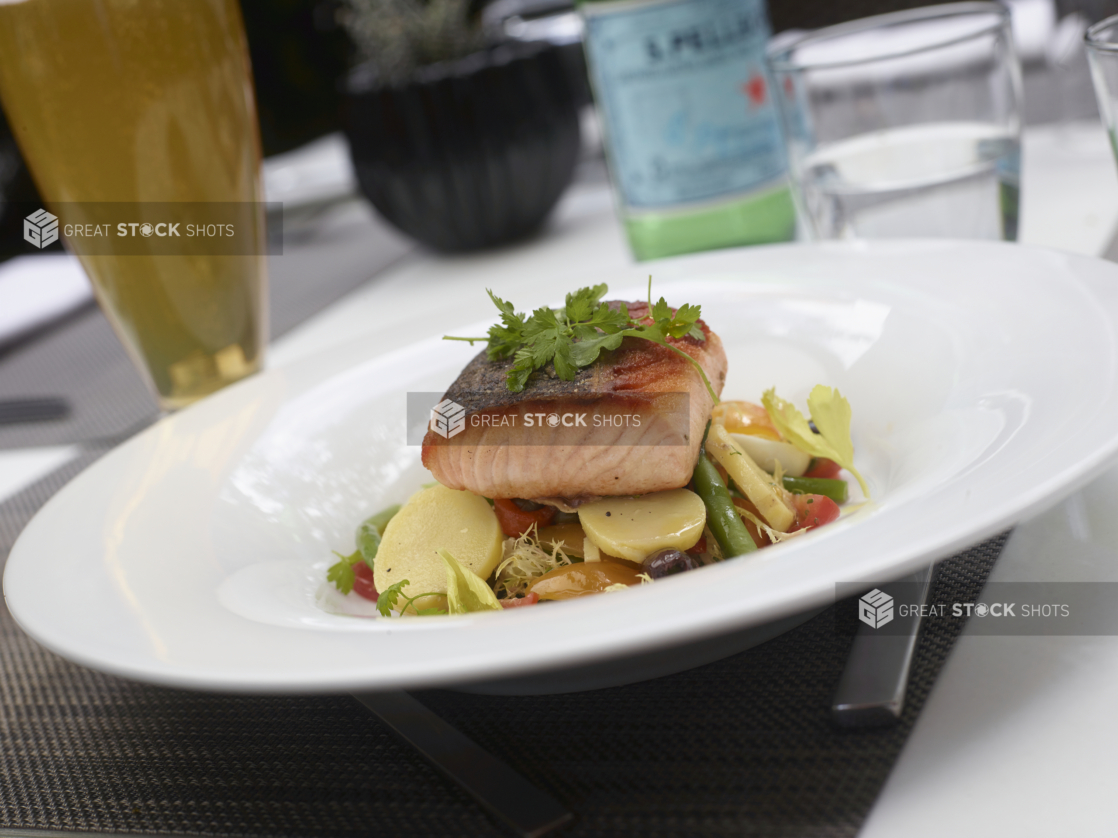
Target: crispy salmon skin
x=512 y=447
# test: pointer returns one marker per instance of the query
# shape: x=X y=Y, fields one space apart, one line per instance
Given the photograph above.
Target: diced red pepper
x=363 y=581
x=700 y=546
x=530 y=599
x=515 y=521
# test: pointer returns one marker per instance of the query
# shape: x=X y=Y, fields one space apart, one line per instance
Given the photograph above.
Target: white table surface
x=1020 y=734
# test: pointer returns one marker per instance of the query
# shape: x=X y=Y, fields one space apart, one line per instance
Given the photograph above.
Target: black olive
x=667 y=563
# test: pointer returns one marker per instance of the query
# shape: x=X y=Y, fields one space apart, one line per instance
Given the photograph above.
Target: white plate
x=984 y=383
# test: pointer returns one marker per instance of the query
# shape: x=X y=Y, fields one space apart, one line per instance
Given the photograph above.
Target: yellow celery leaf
x=465 y=591
x=830 y=412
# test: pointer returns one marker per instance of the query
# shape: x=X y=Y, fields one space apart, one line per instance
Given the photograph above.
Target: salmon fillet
x=512 y=448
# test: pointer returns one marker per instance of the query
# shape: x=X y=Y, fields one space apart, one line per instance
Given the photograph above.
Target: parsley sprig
x=387 y=601
x=573 y=337
x=368 y=543
x=341 y=573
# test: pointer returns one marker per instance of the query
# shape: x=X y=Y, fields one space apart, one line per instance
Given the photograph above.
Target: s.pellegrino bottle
x=694 y=148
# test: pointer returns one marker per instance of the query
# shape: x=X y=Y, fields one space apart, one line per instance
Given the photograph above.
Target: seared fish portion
x=629 y=424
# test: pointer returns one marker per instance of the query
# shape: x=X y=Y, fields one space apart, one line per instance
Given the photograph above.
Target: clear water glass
x=904 y=125
x=1102 y=54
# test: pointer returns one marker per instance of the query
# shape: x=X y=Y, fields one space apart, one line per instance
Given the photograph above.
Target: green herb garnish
x=368 y=543
x=573 y=337
x=386 y=602
x=341 y=573
x=465 y=593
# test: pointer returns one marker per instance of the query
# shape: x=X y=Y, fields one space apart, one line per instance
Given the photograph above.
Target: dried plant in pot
x=459 y=141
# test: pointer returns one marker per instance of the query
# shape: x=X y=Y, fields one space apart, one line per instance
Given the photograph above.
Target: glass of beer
x=142 y=112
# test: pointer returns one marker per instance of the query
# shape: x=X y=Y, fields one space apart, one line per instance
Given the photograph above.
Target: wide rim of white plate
x=67 y=549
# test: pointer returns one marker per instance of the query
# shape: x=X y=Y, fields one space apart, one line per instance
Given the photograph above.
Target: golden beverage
x=148 y=101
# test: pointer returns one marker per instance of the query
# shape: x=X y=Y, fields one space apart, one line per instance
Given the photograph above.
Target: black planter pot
x=467 y=154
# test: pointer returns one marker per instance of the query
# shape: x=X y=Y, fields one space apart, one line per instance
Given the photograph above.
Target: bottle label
x=686 y=98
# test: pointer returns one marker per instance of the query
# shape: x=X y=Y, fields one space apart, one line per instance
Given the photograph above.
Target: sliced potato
x=590 y=552
x=636 y=527
x=767 y=452
x=435 y=518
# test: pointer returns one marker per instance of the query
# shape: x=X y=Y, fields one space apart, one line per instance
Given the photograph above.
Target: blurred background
x=301 y=53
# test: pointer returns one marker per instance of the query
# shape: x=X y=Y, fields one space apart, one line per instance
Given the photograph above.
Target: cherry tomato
x=531 y=599
x=813 y=511
x=363 y=581
x=822 y=467
x=515 y=521
x=745 y=418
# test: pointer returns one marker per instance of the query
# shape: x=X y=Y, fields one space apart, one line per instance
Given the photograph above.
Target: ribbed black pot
x=471 y=153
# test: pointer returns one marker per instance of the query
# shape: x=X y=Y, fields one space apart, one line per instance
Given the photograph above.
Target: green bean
x=722 y=515
x=836 y=490
x=370 y=531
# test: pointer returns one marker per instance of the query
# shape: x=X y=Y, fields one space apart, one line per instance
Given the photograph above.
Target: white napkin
x=34 y=290
x=321 y=170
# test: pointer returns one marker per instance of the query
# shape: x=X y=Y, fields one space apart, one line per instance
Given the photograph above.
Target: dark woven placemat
x=742 y=747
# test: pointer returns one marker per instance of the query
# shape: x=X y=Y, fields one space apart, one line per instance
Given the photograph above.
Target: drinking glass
x=904 y=124
x=1102 y=54
x=143 y=112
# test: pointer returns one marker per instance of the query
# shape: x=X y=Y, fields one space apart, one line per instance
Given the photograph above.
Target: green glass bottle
x=692 y=139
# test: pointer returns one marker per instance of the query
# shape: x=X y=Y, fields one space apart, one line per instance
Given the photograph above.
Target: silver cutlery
x=503 y=792
x=13 y=411
x=871 y=691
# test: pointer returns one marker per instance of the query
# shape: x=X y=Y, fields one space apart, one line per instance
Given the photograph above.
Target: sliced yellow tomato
x=582 y=579
x=569 y=537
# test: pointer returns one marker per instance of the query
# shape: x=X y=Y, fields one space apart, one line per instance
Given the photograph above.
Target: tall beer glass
x=122 y=105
